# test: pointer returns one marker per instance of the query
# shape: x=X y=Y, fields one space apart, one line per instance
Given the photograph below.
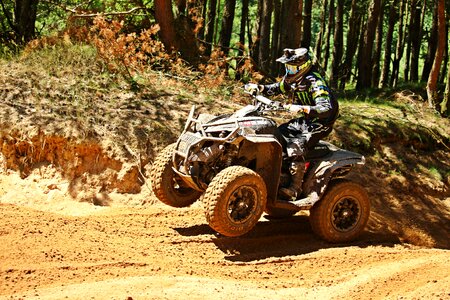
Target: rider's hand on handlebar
x=252 y=88
x=296 y=108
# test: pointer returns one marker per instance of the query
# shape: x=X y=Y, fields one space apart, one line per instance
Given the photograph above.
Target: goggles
x=291 y=70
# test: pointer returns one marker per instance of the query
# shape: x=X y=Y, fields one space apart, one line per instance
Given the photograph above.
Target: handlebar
x=264 y=100
x=275 y=105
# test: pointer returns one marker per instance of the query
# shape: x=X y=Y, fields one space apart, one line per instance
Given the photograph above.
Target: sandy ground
x=52 y=247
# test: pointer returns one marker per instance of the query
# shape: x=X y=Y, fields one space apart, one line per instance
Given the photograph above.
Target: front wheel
x=166 y=184
x=342 y=214
x=235 y=200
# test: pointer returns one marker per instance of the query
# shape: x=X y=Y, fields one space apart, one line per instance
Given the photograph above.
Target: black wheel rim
x=346 y=214
x=241 y=204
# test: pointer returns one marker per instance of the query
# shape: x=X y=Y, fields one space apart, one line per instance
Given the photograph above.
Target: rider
x=309 y=93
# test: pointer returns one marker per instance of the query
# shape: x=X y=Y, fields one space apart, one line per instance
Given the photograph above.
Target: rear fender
x=267 y=153
x=317 y=179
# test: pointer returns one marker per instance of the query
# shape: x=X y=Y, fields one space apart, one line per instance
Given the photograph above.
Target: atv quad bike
x=236 y=163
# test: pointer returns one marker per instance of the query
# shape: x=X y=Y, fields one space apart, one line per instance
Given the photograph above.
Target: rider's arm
x=275 y=88
x=320 y=94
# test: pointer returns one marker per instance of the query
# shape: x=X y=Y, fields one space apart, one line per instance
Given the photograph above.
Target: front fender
x=267 y=153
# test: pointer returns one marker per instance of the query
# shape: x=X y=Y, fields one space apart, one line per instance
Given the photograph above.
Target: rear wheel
x=342 y=214
x=235 y=200
x=166 y=184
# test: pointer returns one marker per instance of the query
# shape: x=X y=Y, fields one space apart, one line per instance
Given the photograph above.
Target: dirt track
x=157 y=252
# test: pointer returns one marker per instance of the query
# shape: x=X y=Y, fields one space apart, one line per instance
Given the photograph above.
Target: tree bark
x=201 y=34
x=227 y=25
x=164 y=17
x=432 y=44
x=330 y=28
x=307 y=18
x=290 y=31
x=181 y=6
x=216 y=22
x=176 y=34
x=416 y=39
x=378 y=44
x=406 y=69
x=445 y=104
x=25 y=12
x=264 y=43
x=393 y=16
x=399 y=46
x=365 y=60
x=337 y=45
x=209 y=32
x=446 y=52
x=275 y=47
x=254 y=50
x=434 y=74
x=242 y=29
x=318 y=46
x=352 y=42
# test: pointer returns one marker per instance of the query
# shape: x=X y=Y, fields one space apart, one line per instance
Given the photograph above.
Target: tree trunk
x=388 y=45
x=181 y=6
x=330 y=28
x=209 y=32
x=399 y=46
x=445 y=104
x=164 y=17
x=360 y=46
x=337 y=45
x=446 y=52
x=24 y=20
x=176 y=34
x=275 y=47
x=352 y=42
x=432 y=44
x=406 y=69
x=227 y=25
x=255 y=46
x=318 y=46
x=244 y=21
x=378 y=44
x=264 y=42
x=290 y=31
x=307 y=18
x=204 y=9
x=416 y=39
x=365 y=61
x=217 y=20
x=434 y=74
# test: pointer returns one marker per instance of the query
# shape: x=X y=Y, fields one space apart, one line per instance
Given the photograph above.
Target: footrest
x=300 y=204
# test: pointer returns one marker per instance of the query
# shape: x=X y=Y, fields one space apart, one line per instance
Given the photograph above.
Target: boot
x=297 y=170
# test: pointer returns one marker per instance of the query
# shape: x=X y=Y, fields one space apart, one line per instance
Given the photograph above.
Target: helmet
x=297 y=61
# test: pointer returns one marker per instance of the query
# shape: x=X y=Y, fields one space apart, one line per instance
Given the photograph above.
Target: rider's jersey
x=311 y=90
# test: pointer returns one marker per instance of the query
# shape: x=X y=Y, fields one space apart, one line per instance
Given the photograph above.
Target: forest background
x=364 y=45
